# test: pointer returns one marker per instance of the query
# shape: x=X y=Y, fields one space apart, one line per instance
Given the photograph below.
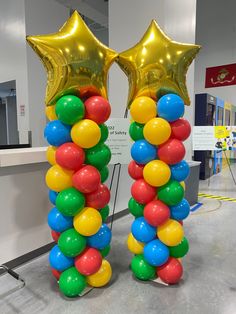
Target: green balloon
x=71 y=282
x=135 y=208
x=71 y=243
x=70 y=201
x=98 y=156
x=171 y=193
x=136 y=131
x=104 y=133
x=141 y=269
x=104 y=212
x=104 y=252
x=179 y=250
x=70 y=109
x=104 y=172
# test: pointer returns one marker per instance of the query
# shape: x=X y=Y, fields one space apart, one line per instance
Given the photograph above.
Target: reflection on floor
x=209 y=284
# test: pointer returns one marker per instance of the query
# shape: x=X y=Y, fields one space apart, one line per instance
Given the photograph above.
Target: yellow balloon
x=88 y=221
x=156 y=173
x=50 y=113
x=58 y=179
x=50 y=155
x=182 y=183
x=102 y=276
x=134 y=246
x=143 y=109
x=157 y=131
x=86 y=133
x=170 y=233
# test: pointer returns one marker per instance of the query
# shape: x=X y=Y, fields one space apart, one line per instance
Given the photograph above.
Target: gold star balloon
x=75 y=60
x=157 y=65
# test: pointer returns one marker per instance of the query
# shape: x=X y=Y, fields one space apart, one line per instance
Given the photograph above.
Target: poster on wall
x=223 y=75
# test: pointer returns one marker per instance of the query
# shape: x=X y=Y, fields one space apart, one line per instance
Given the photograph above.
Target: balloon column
x=156 y=68
x=77 y=65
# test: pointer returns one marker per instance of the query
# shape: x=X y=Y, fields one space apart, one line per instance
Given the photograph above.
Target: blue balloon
x=58 y=260
x=57 y=133
x=180 y=171
x=59 y=222
x=142 y=231
x=156 y=253
x=143 y=152
x=100 y=239
x=52 y=196
x=170 y=107
x=180 y=211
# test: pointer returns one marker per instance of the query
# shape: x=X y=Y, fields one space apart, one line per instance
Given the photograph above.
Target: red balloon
x=87 y=179
x=55 y=235
x=171 y=152
x=135 y=170
x=156 y=213
x=70 y=156
x=142 y=192
x=97 y=109
x=181 y=222
x=171 y=272
x=56 y=273
x=98 y=199
x=181 y=129
x=89 y=261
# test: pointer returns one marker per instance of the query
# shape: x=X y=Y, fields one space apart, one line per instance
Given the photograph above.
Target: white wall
x=216 y=32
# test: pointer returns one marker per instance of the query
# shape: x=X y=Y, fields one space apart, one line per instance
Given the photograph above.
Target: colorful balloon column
x=156 y=68
x=78 y=155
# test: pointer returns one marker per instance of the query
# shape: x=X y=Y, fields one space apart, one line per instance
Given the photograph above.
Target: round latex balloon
x=181 y=129
x=179 y=250
x=100 y=239
x=157 y=131
x=104 y=212
x=72 y=283
x=134 y=246
x=156 y=253
x=171 y=272
x=88 y=221
x=56 y=273
x=180 y=171
x=156 y=213
x=58 y=179
x=51 y=155
x=142 y=192
x=143 y=109
x=142 y=231
x=52 y=196
x=98 y=156
x=55 y=235
x=98 y=199
x=71 y=243
x=70 y=202
x=156 y=173
x=104 y=133
x=135 y=208
x=70 y=109
x=102 y=276
x=50 y=113
x=171 y=193
x=171 y=152
x=70 y=156
x=57 y=133
x=58 y=260
x=182 y=183
x=171 y=233
x=59 y=222
x=143 y=152
x=136 y=131
x=135 y=170
x=104 y=173
x=105 y=251
x=87 y=179
x=86 y=133
x=88 y=262
x=181 y=210
x=97 y=109
x=170 y=107
x=141 y=269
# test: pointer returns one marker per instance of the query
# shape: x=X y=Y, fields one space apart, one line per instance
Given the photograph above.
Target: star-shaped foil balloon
x=75 y=60
x=157 y=65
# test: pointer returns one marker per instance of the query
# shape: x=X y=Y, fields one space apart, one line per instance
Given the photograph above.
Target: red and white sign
x=223 y=75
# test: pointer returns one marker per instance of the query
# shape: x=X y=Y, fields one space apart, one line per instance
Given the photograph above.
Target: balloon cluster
x=79 y=158
x=157 y=202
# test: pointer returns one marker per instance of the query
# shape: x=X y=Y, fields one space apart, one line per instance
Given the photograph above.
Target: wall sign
x=222 y=75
